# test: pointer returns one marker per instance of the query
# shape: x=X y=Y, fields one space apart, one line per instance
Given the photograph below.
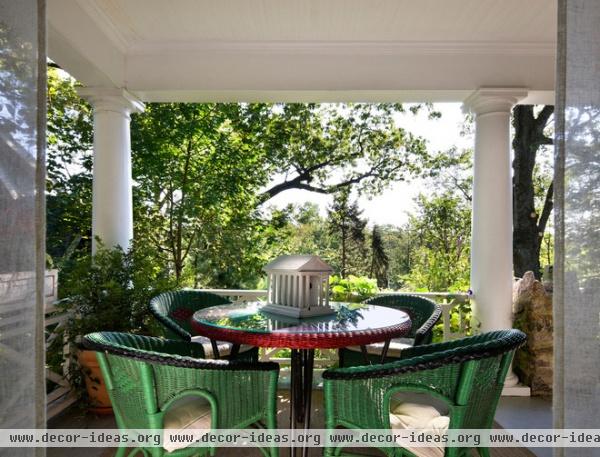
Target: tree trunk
x=528 y=226
x=343 y=271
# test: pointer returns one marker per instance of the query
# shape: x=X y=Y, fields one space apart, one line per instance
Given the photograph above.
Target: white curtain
x=22 y=63
x=577 y=217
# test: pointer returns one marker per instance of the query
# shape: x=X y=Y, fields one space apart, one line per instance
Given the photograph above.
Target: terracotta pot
x=94 y=383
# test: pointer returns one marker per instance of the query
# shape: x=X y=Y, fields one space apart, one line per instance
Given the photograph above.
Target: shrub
x=108 y=291
x=352 y=289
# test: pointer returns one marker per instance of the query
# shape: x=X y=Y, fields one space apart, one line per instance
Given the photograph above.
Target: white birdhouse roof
x=300 y=263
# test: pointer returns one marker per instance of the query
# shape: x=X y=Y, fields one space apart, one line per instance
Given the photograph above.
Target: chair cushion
x=187 y=413
x=223 y=346
x=396 y=346
x=421 y=412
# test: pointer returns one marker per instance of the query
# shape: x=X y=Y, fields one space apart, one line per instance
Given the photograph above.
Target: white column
x=112 y=212
x=491 y=231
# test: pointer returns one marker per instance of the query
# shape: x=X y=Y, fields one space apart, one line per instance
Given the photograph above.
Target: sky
x=396 y=203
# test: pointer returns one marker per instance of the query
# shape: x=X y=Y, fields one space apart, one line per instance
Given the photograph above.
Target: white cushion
x=421 y=412
x=187 y=413
x=223 y=346
x=396 y=347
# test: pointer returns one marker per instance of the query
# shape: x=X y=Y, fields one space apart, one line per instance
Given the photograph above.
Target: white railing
x=448 y=301
x=17 y=286
x=62 y=396
x=239 y=295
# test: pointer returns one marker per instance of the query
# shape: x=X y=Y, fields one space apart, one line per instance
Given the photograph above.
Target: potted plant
x=108 y=291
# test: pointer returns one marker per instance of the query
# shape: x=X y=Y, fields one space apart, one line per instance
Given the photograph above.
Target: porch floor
x=513 y=412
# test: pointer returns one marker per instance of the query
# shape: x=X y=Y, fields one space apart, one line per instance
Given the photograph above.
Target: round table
x=352 y=324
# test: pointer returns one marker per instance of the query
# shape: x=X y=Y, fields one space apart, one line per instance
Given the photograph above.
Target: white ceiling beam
x=194 y=75
x=101 y=43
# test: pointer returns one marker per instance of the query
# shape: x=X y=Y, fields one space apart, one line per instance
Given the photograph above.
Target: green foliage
x=352 y=289
x=307 y=232
x=111 y=290
x=456 y=324
x=379 y=259
x=196 y=195
x=347 y=227
x=359 y=144
x=69 y=166
x=441 y=261
x=202 y=170
x=203 y=173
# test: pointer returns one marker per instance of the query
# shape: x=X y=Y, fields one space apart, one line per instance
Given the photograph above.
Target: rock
x=532 y=307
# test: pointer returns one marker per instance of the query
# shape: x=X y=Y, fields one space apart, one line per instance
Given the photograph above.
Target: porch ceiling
x=311 y=50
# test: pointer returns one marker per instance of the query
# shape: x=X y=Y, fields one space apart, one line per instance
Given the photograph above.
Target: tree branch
x=296 y=183
x=542 y=119
x=547 y=209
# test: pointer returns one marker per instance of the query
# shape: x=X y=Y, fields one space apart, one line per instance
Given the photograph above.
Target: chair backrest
x=419 y=309
x=144 y=375
x=468 y=373
x=174 y=310
x=125 y=361
x=490 y=355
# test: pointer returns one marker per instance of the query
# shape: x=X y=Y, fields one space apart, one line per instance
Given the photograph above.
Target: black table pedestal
x=301 y=392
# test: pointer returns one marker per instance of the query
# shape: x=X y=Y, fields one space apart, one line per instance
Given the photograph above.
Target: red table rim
x=329 y=340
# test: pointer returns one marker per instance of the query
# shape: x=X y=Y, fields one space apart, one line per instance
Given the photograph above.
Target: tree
x=399 y=244
x=346 y=224
x=330 y=147
x=197 y=181
x=201 y=169
x=69 y=140
x=204 y=173
x=529 y=220
x=379 y=259
x=442 y=227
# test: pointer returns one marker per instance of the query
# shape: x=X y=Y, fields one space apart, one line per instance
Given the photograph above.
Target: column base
x=518 y=390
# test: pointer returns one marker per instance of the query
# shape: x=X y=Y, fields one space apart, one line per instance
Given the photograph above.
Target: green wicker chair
x=174 y=311
x=155 y=383
x=461 y=380
x=423 y=313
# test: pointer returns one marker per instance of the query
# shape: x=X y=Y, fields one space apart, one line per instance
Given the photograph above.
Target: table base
x=302 y=369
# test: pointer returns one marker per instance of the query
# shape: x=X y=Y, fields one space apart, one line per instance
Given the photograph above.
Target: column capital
x=493 y=100
x=111 y=99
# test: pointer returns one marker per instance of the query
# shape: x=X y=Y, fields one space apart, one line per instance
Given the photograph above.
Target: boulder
x=532 y=308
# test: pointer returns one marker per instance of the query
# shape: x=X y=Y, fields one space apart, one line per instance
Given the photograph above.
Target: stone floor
x=513 y=412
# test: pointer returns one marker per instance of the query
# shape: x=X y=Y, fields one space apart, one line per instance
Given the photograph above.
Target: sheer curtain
x=577 y=217
x=22 y=63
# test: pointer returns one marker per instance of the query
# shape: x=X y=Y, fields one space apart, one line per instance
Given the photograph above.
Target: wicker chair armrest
x=421 y=336
x=169 y=323
x=507 y=339
x=431 y=356
x=166 y=352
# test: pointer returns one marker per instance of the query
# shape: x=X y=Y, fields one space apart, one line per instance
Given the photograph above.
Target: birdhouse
x=298 y=286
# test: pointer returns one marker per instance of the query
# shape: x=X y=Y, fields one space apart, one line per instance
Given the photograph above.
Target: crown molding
x=107 y=25
x=347 y=47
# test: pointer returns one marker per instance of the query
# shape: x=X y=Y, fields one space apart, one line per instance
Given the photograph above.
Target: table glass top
x=348 y=317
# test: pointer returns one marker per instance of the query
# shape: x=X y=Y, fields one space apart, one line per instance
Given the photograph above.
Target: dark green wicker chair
x=462 y=377
x=155 y=383
x=423 y=313
x=174 y=311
